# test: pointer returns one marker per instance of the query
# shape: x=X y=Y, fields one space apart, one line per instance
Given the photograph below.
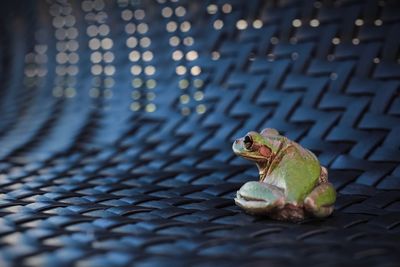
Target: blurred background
x=117 y=119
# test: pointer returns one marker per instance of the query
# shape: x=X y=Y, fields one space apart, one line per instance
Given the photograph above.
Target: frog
x=292 y=184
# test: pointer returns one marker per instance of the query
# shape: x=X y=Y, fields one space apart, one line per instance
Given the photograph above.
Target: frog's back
x=298 y=170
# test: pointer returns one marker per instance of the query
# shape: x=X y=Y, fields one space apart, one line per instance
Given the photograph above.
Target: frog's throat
x=262 y=172
x=266 y=167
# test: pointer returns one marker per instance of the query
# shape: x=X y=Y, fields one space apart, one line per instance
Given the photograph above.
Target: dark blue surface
x=89 y=178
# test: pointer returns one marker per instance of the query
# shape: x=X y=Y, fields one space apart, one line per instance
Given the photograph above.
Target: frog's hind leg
x=259 y=198
x=323 y=177
x=321 y=200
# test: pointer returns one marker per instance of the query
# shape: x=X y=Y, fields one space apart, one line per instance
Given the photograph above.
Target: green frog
x=292 y=185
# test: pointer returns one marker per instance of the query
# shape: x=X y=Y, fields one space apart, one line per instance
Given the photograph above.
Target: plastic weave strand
x=117 y=119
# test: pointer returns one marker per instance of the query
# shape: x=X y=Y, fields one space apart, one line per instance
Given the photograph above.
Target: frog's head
x=257 y=147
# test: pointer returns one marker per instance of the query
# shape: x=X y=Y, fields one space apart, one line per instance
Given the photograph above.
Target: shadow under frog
x=292 y=185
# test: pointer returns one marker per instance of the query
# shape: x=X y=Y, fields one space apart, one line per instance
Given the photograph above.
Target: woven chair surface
x=117 y=120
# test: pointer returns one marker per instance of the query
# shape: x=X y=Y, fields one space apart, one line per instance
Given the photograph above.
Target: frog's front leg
x=320 y=201
x=259 y=198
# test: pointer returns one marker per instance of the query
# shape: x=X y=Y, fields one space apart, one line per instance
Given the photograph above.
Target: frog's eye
x=247 y=141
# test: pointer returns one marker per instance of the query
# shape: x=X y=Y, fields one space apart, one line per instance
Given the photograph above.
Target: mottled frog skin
x=292 y=185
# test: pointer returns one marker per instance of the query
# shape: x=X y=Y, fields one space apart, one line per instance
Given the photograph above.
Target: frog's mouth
x=252 y=158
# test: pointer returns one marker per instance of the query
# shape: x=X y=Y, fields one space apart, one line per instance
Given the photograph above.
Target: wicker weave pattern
x=105 y=162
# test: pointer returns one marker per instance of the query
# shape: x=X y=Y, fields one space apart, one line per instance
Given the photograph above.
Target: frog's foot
x=259 y=198
x=320 y=201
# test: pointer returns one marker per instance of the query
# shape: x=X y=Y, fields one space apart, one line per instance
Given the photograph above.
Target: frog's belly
x=276 y=181
x=289 y=212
